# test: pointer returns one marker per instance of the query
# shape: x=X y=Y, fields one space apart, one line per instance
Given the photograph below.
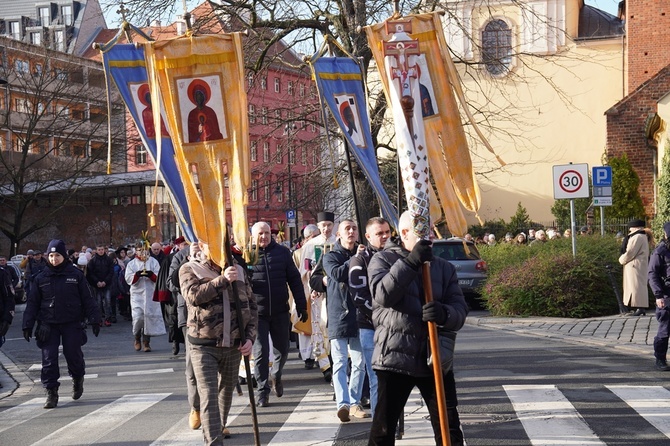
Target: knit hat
x=179 y=240
x=58 y=246
x=30 y=252
x=666 y=230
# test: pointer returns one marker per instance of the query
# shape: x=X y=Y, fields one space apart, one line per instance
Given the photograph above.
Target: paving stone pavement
x=631 y=333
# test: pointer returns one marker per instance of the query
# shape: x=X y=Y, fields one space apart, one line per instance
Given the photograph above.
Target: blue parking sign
x=290 y=214
x=602 y=176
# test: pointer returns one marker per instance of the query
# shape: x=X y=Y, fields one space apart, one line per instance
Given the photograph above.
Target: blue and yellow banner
x=126 y=66
x=340 y=84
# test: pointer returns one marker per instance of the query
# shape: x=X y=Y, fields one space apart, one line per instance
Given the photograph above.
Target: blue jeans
x=367 y=338
x=104 y=296
x=340 y=349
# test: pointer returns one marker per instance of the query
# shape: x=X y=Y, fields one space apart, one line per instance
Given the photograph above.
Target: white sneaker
x=358 y=412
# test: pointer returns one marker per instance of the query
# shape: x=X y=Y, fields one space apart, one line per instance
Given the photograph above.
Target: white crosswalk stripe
x=548 y=417
x=97 y=424
x=652 y=403
x=181 y=435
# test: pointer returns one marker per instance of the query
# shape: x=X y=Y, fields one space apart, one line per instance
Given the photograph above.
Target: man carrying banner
x=401 y=335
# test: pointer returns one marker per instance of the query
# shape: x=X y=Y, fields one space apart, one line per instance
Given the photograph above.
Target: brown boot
x=147 y=347
x=138 y=343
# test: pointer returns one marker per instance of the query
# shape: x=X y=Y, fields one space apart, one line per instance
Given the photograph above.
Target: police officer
x=59 y=302
x=659 y=281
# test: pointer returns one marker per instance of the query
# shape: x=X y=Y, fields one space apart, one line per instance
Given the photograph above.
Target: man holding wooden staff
x=400 y=314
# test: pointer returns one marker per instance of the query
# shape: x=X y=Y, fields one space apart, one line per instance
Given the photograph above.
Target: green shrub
x=545 y=279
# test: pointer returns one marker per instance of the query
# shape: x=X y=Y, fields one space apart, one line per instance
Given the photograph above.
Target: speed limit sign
x=571 y=181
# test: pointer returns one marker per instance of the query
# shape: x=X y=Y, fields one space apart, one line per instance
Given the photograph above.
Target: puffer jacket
x=60 y=295
x=401 y=336
x=341 y=310
x=211 y=304
x=269 y=276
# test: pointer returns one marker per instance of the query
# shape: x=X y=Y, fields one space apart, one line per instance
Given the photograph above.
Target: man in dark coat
x=272 y=271
x=659 y=281
x=59 y=303
x=399 y=314
x=100 y=275
x=333 y=272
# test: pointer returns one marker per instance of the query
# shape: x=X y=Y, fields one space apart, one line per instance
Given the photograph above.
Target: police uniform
x=58 y=303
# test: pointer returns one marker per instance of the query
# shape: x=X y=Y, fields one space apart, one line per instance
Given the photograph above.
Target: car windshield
x=455 y=251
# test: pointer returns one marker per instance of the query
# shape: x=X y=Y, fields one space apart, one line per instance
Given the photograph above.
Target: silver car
x=470 y=268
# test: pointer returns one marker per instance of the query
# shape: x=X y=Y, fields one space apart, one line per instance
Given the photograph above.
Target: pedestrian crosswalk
x=547 y=417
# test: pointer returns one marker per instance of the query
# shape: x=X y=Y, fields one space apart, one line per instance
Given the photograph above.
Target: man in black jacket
x=100 y=274
x=377 y=232
x=399 y=314
x=333 y=273
x=271 y=272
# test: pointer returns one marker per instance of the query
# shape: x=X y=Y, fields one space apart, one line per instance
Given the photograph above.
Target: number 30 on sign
x=571 y=181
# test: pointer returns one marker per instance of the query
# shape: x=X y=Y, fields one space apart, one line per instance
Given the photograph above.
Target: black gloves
x=435 y=312
x=27 y=334
x=4 y=326
x=96 y=329
x=421 y=253
x=302 y=315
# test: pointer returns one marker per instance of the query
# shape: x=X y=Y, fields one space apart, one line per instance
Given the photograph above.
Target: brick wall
x=79 y=225
x=625 y=131
x=647 y=39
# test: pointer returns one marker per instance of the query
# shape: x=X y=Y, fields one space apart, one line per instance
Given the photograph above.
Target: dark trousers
x=71 y=335
x=393 y=389
x=278 y=327
x=170 y=317
x=661 y=339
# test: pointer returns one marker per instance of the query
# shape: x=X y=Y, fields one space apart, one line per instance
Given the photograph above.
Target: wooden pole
x=247 y=366
x=437 y=361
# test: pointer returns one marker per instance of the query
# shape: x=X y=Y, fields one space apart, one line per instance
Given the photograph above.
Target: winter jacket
x=60 y=295
x=359 y=287
x=273 y=270
x=340 y=306
x=34 y=268
x=180 y=258
x=212 y=316
x=401 y=336
x=100 y=269
x=659 y=270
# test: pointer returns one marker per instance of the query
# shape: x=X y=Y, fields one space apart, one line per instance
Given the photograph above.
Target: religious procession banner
x=339 y=81
x=412 y=51
x=201 y=81
x=125 y=64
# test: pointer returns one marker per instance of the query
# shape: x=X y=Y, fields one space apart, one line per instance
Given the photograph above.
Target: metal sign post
x=602 y=191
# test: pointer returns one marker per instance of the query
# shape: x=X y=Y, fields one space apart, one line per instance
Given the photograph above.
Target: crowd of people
x=354 y=308
x=533 y=236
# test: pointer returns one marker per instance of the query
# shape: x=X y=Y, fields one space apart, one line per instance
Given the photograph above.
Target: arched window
x=497 y=47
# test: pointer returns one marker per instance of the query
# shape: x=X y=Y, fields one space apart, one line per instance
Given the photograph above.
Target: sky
x=611 y=6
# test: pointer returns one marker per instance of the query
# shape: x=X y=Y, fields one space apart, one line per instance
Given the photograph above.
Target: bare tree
x=54 y=126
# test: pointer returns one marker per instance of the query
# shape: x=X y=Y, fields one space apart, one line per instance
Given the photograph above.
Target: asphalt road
x=512 y=388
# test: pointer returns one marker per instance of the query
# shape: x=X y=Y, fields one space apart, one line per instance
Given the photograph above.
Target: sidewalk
x=634 y=334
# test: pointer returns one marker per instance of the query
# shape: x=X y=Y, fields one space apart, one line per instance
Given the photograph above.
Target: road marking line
x=144 y=372
x=182 y=435
x=25 y=412
x=35 y=367
x=548 y=417
x=100 y=422
x=651 y=402
x=314 y=418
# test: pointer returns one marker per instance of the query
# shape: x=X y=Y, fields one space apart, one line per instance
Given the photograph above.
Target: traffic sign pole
x=572 y=225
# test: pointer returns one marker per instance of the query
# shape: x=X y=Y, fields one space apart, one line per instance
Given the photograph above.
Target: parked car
x=19 y=293
x=470 y=268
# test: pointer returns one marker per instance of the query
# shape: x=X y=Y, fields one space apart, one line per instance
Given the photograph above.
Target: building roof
x=614 y=110
x=597 y=24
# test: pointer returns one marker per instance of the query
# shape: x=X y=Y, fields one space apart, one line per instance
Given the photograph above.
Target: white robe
x=147 y=314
